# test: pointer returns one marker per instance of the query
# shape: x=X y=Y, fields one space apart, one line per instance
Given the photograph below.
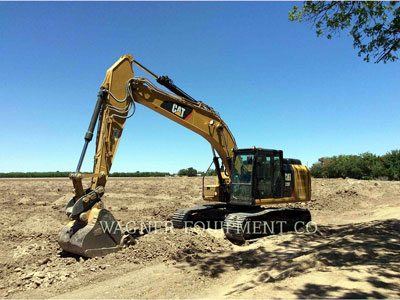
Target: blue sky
x=274 y=83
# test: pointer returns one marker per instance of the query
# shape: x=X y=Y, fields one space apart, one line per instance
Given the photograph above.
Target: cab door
x=242 y=179
x=264 y=176
x=269 y=179
x=278 y=177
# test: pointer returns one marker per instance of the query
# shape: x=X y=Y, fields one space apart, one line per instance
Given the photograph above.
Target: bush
x=187 y=172
x=363 y=166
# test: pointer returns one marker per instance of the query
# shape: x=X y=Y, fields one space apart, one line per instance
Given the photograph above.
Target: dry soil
x=354 y=254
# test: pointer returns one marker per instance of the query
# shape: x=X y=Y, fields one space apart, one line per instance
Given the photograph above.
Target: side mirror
x=249 y=160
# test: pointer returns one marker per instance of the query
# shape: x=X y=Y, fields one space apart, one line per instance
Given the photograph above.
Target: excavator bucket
x=95 y=233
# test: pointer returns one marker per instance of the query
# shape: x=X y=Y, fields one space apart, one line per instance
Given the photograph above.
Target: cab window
x=268 y=176
x=243 y=168
x=242 y=175
x=277 y=178
x=264 y=176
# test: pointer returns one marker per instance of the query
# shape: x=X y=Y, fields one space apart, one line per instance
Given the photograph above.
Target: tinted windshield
x=242 y=173
x=243 y=168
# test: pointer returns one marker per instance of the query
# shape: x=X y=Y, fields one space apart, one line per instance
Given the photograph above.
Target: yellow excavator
x=247 y=179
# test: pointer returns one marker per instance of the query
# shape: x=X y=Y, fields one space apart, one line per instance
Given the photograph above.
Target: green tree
x=187 y=172
x=317 y=170
x=374 y=25
x=211 y=172
x=391 y=161
x=363 y=166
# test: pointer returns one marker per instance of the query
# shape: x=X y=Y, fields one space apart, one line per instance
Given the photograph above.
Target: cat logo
x=179 y=110
x=288 y=177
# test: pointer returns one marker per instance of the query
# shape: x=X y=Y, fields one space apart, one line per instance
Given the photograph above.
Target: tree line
x=182 y=172
x=66 y=174
x=362 y=166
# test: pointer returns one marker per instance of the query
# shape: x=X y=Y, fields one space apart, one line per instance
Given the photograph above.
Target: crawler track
x=246 y=226
x=242 y=224
x=208 y=214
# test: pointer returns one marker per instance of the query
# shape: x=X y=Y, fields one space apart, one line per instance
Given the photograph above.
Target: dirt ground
x=354 y=254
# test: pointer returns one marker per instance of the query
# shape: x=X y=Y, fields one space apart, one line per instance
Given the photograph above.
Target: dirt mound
x=169 y=245
x=63 y=200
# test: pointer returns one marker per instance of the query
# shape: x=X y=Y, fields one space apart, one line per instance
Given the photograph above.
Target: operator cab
x=260 y=174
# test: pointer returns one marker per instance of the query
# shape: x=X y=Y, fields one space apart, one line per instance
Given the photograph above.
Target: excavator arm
x=113 y=105
x=116 y=101
x=119 y=93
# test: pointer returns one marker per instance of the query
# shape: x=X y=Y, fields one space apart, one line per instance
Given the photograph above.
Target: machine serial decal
x=181 y=111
